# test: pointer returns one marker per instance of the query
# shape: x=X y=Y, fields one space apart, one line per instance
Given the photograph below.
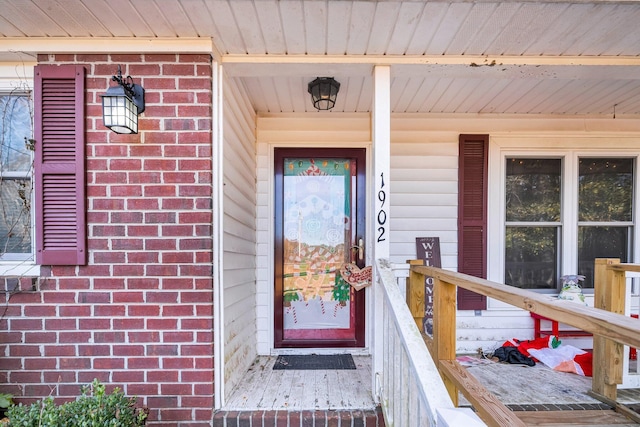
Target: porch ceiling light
x=121 y=105
x=324 y=91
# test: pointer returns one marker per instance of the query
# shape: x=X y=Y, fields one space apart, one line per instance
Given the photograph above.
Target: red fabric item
x=536 y=344
x=586 y=363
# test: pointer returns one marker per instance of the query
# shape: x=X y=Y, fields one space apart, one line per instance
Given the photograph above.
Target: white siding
x=424 y=190
x=239 y=234
x=424 y=194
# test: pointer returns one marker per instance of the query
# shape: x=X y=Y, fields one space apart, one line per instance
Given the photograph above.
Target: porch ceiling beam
x=84 y=45
x=455 y=66
x=468 y=60
x=581 y=72
x=607 y=68
x=206 y=45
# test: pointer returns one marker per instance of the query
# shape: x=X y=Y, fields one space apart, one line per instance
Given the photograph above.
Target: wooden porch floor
x=541 y=396
x=264 y=388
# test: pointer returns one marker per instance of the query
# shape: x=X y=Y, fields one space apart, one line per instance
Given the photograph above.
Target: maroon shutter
x=472 y=216
x=59 y=167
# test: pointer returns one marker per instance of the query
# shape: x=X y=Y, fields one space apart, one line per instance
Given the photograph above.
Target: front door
x=319 y=226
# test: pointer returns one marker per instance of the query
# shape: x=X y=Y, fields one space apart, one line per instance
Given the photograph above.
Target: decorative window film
x=317 y=232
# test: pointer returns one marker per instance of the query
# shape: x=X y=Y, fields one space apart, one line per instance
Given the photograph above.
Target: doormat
x=315 y=362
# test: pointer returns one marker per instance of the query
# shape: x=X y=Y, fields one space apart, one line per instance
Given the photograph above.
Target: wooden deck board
x=485 y=403
x=545 y=394
x=602 y=418
x=264 y=388
x=520 y=384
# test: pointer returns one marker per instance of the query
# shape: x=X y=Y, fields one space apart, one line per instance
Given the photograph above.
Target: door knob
x=360 y=249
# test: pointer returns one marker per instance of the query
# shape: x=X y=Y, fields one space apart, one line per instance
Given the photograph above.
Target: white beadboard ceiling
x=461 y=56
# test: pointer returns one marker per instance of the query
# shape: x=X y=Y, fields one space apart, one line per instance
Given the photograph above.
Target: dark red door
x=319 y=226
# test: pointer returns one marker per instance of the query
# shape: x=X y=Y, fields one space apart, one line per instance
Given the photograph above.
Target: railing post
x=444 y=329
x=415 y=294
x=609 y=294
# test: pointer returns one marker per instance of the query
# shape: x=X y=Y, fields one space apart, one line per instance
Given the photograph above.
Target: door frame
x=360 y=153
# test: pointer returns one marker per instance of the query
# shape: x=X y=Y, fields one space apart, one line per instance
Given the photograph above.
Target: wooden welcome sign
x=428 y=249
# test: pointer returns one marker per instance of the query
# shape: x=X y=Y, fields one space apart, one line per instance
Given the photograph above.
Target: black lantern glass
x=324 y=91
x=122 y=104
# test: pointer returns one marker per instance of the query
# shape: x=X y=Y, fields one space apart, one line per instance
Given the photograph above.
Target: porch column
x=218 y=227
x=381 y=133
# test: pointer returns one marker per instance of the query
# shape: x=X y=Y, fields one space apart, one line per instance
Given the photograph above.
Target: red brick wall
x=139 y=315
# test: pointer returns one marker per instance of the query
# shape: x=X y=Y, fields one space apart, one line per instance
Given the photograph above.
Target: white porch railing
x=411 y=391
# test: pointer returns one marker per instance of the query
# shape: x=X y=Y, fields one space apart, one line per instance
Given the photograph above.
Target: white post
x=218 y=255
x=381 y=158
x=381 y=131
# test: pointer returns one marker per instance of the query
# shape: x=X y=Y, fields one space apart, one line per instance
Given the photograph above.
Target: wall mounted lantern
x=324 y=91
x=121 y=105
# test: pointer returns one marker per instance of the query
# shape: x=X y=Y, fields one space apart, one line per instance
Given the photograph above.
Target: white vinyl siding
x=424 y=195
x=424 y=190
x=239 y=234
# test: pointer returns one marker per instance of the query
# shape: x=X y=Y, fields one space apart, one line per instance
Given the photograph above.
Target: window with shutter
x=59 y=166
x=472 y=215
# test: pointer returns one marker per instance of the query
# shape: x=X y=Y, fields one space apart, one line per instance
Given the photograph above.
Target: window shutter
x=472 y=216
x=59 y=166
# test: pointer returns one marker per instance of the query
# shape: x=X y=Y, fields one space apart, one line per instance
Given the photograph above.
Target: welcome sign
x=428 y=250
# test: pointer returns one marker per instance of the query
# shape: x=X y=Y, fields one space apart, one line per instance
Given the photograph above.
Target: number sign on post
x=428 y=249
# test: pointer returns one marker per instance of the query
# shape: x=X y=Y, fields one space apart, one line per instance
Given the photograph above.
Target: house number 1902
x=382 y=214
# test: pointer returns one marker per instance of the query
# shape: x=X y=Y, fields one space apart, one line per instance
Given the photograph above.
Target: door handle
x=360 y=249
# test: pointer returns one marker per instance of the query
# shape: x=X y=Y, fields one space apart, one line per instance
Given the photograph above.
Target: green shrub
x=95 y=408
x=6 y=400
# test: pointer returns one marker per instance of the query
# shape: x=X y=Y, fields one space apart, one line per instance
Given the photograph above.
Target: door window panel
x=317 y=232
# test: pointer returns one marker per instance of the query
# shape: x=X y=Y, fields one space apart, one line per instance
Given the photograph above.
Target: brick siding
x=140 y=315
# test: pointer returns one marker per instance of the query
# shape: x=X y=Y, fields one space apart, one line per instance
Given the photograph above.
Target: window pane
x=15 y=131
x=605 y=189
x=15 y=219
x=533 y=190
x=531 y=260
x=600 y=242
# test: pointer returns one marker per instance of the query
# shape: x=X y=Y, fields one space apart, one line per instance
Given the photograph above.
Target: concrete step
x=300 y=418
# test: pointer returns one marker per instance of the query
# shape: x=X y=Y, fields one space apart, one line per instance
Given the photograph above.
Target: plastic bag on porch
x=565 y=358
